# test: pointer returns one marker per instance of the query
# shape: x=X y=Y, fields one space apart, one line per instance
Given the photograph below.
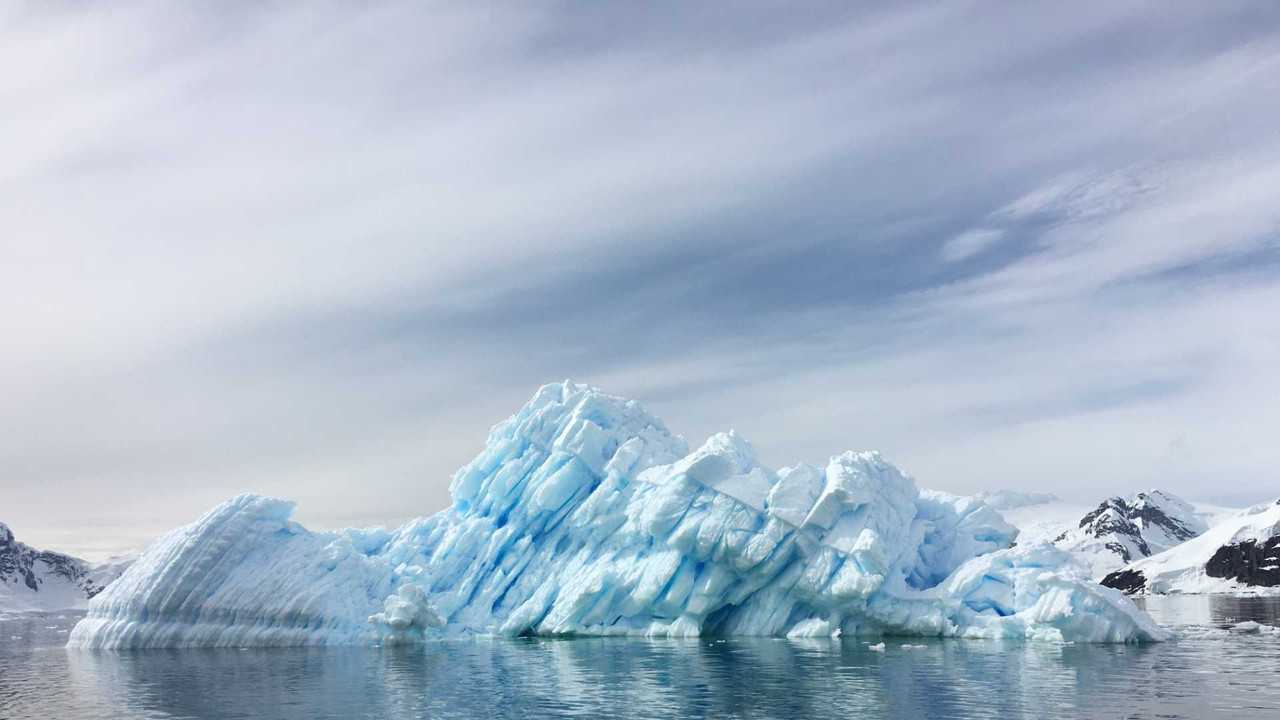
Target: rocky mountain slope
x=1239 y=555
x=32 y=579
x=1119 y=530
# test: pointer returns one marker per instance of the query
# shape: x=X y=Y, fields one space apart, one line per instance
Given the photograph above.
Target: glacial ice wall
x=584 y=515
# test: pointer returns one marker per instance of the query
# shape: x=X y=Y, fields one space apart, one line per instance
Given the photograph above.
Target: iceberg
x=584 y=515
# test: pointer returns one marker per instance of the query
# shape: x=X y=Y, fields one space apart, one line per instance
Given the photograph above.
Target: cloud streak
x=316 y=251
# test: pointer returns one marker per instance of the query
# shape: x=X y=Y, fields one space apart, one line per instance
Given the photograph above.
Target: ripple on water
x=1209 y=672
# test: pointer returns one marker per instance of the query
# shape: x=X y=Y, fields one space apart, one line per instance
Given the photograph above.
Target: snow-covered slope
x=1121 y=530
x=1011 y=499
x=33 y=579
x=1117 y=531
x=1044 y=522
x=1238 y=555
x=584 y=515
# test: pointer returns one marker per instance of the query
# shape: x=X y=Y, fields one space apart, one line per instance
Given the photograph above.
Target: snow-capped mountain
x=1117 y=531
x=1121 y=530
x=32 y=579
x=585 y=515
x=1239 y=554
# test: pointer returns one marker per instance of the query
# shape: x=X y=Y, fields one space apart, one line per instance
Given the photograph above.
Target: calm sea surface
x=1209 y=673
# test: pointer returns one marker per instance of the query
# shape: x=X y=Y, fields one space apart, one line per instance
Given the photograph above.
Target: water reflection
x=1212 y=610
x=1204 y=676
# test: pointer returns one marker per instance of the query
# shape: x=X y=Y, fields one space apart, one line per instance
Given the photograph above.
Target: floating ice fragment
x=1251 y=627
x=406 y=615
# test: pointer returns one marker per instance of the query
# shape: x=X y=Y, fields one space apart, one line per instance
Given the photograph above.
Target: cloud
x=1078 y=197
x=970 y=243
x=316 y=251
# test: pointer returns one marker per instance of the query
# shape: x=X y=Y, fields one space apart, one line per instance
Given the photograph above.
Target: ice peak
x=855 y=478
x=723 y=454
x=569 y=430
x=560 y=416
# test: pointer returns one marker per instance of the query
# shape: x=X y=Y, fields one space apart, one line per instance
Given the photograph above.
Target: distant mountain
x=1117 y=531
x=1239 y=554
x=1010 y=499
x=1121 y=530
x=32 y=579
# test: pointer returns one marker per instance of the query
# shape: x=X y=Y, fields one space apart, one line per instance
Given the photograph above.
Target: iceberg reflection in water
x=1207 y=673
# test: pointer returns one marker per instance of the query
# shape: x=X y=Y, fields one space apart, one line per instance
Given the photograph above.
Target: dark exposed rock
x=1250 y=562
x=1128 y=581
x=1151 y=515
x=1123 y=551
x=21 y=563
x=1250 y=559
x=1120 y=515
x=1126 y=525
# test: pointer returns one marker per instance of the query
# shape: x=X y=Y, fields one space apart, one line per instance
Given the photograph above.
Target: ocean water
x=1208 y=673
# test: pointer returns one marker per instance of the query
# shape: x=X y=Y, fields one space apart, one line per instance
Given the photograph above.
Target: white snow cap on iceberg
x=585 y=515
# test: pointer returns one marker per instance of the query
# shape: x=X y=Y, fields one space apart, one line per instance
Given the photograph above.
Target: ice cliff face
x=584 y=515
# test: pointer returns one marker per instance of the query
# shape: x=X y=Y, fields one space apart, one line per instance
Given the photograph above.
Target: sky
x=316 y=250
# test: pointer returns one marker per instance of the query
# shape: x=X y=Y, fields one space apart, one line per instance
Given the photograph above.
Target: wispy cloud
x=317 y=250
x=970 y=243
